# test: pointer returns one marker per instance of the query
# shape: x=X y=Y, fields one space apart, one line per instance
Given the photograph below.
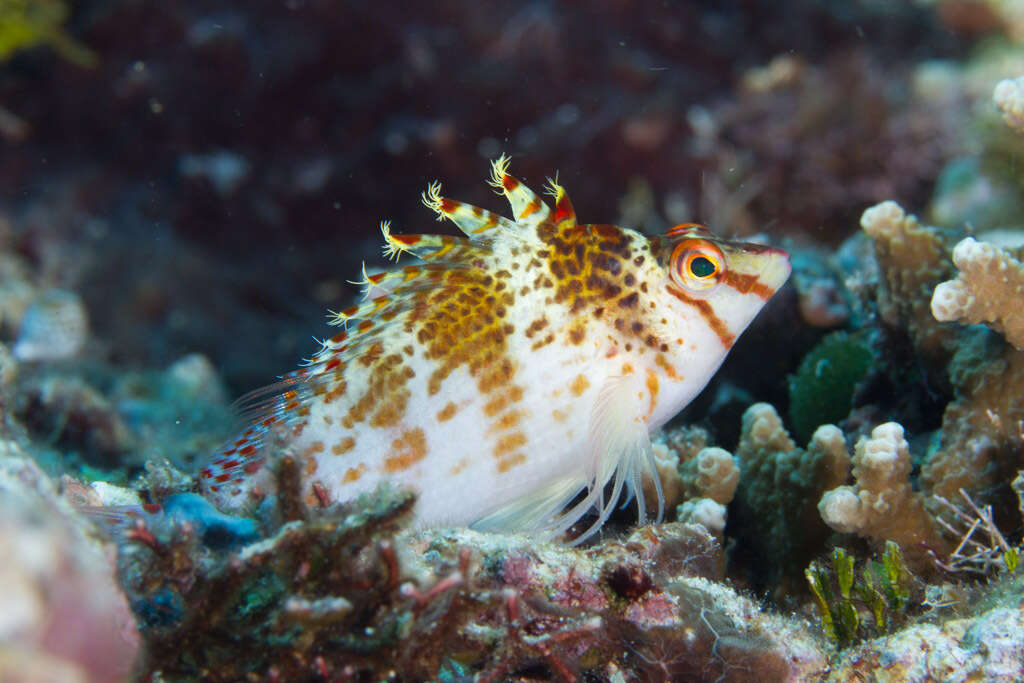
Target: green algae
x=822 y=390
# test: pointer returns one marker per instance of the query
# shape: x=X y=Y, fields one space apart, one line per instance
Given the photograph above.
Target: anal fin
x=620 y=452
x=536 y=511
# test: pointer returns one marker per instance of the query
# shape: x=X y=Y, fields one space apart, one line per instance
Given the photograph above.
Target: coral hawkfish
x=509 y=370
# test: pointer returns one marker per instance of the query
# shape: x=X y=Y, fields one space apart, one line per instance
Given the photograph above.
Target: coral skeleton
x=881 y=505
x=987 y=290
x=982 y=548
x=1009 y=98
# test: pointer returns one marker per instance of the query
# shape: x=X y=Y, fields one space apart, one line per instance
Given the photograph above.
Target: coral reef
x=173 y=221
x=882 y=504
x=987 y=288
x=673 y=449
x=697 y=480
x=76 y=417
x=912 y=259
x=342 y=594
x=984 y=648
x=774 y=518
x=978 y=447
x=1009 y=99
x=712 y=473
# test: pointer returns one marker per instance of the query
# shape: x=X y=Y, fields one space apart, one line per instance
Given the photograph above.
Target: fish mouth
x=776 y=268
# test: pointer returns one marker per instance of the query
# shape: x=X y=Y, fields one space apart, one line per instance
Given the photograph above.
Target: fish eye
x=697 y=265
x=701 y=266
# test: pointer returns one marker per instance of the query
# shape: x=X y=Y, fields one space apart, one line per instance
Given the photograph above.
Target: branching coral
x=979 y=445
x=673 y=449
x=882 y=505
x=777 y=524
x=711 y=474
x=1009 y=98
x=708 y=483
x=912 y=259
x=980 y=448
x=982 y=548
x=987 y=289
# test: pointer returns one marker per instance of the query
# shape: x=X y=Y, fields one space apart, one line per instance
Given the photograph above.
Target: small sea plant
x=853 y=605
x=28 y=23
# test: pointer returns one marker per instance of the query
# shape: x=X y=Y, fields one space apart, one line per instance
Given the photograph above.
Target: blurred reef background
x=187 y=186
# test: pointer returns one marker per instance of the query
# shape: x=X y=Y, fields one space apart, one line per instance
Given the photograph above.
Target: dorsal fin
x=474 y=222
x=393 y=300
x=528 y=209
x=427 y=247
x=564 y=215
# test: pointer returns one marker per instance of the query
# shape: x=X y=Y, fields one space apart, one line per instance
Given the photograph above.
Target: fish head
x=717 y=286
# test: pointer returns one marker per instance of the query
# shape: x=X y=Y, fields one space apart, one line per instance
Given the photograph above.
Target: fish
x=511 y=374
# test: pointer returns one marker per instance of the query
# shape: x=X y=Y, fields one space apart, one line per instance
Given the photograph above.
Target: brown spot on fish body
x=407 y=450
x=531 y=208
x=662 y=362
x=535 y=327
x=353 y=474
x=505 y=464
x=579 y=385
x=577 y=335
x=508 y=420
x=343 y=446
x=447 y=413
x=310 y=465
x=508 y=443
x=652 y=389
x=629 y=301
x=543 y=342
x=391 y=410
x=496 y=376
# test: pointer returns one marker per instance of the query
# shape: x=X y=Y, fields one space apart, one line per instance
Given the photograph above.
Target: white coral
x=987 y=289
x=713 y=474
x=1009 y=98
x=840 y=509
x=885 y=218
x=704 y=511
x=881 y=465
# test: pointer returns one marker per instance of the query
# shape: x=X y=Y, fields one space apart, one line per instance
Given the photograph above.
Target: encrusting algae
x=510 y=369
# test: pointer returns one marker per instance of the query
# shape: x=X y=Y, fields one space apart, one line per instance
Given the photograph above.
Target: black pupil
x=702 y=267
